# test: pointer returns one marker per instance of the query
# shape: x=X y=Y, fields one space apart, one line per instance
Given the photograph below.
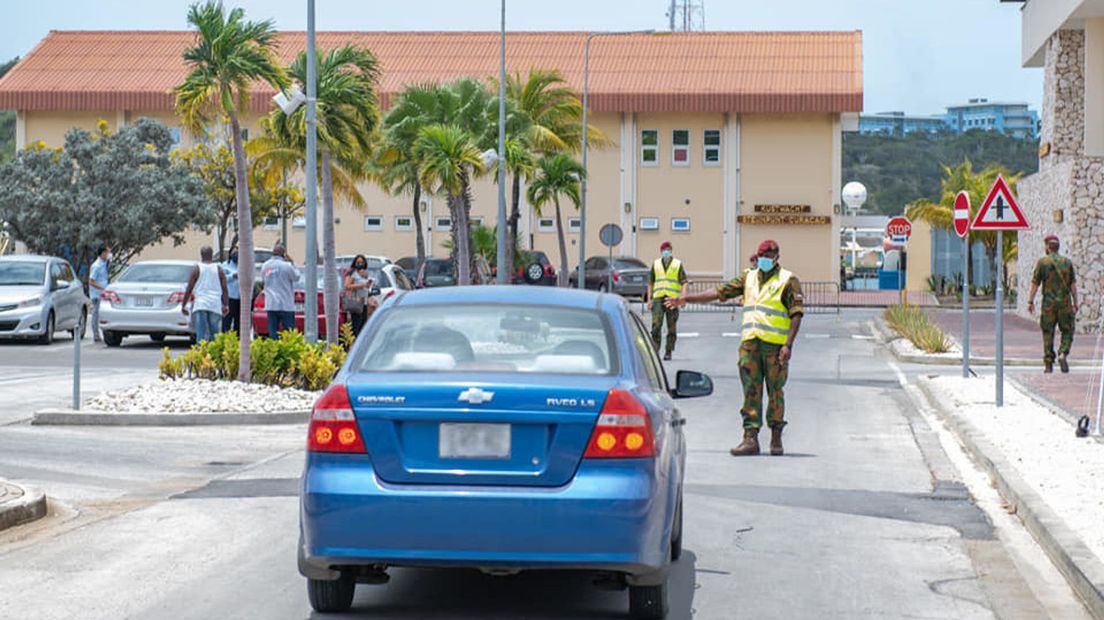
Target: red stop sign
x=899 y=227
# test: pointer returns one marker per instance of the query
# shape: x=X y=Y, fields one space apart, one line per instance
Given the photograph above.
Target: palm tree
x=229 y=55
x=977 y=184
x=347 y=120
x=448 y=158
x=557 y=175
x=551 y=122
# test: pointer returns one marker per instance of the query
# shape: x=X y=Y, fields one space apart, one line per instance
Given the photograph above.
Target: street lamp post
x=503 y=270
x=310 y=309
x=581 y=283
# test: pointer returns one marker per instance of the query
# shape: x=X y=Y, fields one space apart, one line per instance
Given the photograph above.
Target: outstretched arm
x=693 y=298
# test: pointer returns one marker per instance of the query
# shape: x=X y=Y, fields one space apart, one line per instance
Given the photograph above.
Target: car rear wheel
x=47 y=336
x=157 y=337
x=112 y=339
x=332 y=596
x=648 y=602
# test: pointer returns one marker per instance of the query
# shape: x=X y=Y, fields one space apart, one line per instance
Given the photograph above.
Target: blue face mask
x=666 y=253
x=765 y=264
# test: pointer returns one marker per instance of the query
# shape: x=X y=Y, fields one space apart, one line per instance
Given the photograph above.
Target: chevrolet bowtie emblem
x=475 y=396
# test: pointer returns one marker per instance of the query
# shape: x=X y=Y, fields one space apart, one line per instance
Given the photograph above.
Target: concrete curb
x=30 y=506
x=1082 y=569
x=68 y=417
x=934 y=360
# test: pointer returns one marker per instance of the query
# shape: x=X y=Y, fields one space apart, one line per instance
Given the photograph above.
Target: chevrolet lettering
x=381 y=400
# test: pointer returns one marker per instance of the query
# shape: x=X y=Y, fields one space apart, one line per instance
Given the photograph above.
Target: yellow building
x=719 y=140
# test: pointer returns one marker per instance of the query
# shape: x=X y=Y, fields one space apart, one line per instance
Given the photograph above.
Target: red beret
x=767 y=246
x=1051 y=238
x=666 y=245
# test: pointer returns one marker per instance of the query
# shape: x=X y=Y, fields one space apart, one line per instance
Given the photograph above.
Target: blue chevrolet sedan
x=501 y=429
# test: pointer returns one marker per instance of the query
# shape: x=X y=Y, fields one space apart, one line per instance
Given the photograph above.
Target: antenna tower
x=686 y=15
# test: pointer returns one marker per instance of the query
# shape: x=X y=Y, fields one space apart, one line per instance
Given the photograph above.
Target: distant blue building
x=1011 y=118
x=1015 y=119
x=899 y=123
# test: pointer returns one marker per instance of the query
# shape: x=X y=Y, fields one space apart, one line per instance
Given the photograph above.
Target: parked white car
x=39 y=296
x=145 y=299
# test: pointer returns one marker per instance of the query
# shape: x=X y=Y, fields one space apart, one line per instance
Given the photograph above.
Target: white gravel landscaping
x=200 y=396
x=1066 y=471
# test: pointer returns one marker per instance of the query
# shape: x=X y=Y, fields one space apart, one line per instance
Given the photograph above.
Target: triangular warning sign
x=1000 y=211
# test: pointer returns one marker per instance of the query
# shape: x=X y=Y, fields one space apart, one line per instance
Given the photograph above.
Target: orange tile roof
x=683 y=72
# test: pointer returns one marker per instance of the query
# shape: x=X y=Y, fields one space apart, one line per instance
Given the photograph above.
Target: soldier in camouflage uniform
x=667 y=279
x=773 y=308
x=1054 y=273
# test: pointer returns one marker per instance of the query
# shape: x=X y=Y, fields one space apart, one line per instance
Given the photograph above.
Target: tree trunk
x=245 y=249
x=419 y=236
x=330 y=289
x=284 y=211
x=461 y=250
x=512 y=223
x=466 y=203
x=562 y=277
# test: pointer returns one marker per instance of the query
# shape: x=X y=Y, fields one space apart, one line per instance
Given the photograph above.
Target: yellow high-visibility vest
x=765 y=317
x=667 y=283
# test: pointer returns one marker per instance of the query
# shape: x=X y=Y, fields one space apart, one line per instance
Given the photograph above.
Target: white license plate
x=300 y=308
x=474 y=441
x=143 y=302
x=636 y=279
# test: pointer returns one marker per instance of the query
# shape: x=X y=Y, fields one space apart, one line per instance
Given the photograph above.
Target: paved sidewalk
x=19 y=505
x=1022 y=337
x=1076 y=392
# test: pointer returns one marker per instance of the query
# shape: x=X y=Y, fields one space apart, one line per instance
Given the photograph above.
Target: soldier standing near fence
x=1054 y=273
x=773 y=307
x=666 y=281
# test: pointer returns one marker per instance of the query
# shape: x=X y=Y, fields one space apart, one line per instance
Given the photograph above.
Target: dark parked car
x=628 y=275
x=439 y=272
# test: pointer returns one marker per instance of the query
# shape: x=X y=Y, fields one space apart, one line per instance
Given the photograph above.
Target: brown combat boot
x=1063 y=362
x=1048 y=367
x=749 y=446
x=776 y=441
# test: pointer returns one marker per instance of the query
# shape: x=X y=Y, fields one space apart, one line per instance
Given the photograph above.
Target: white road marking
x=818 y=336
x=900 y=375
x=731 y=335
x=689 y=335
x=861 y=337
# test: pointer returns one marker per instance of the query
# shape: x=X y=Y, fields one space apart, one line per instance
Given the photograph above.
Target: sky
x=918 y=55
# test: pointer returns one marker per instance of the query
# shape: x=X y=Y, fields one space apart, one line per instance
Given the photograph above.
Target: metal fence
x=820 y=298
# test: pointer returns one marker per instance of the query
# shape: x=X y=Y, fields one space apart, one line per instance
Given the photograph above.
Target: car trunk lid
x=477 y=429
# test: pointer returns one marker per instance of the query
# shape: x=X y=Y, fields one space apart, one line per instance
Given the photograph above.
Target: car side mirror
x=60 y=285
x=691 y=384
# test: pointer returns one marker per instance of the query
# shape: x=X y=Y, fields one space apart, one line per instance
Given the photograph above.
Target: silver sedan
x=145 y=299
x=39 y=295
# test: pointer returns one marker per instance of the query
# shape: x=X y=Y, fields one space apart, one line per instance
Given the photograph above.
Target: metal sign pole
x=77 y=362
x=1000 y=319
x=609 y=272
x=966 y=306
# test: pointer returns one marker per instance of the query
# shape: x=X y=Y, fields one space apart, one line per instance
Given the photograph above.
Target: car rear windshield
x=492 y=338
x=151 y=273
x=22 y=274
x=438 y=268
x=628 y=263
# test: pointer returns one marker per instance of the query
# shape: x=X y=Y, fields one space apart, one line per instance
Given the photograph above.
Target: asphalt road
x=866 y=517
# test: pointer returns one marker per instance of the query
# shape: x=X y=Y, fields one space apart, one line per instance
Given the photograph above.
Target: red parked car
x=260 y=317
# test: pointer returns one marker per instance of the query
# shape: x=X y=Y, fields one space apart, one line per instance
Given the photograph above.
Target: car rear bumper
x=612 y=516
x=634 y=289
x=22 y=322
x=153 y=321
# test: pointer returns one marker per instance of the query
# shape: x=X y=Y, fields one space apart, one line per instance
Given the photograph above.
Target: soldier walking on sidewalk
x=773 y=308
x=1054 y=273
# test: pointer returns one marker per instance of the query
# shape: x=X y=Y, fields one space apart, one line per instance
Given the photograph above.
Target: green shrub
x=289 y=361
x=913 y=323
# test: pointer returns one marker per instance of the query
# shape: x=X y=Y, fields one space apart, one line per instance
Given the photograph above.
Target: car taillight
x=624 y=429
x=549 y=270
x=616 y=277
x=333 y=426
x=176 y=298
x=110 y=296
x=300 y=297
x=389 y=294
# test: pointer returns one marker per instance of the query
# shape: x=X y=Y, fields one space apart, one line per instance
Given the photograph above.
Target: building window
x=373 y=223
x=299 y=221
x=271 y=223
x=711 y=147
x=574 y=224
x=476 y=221
x=680 y=224
x=649 y=147
x=546 y=224
x=443 y=223
x=404 y=222
x=649 y=223
x=680 y=147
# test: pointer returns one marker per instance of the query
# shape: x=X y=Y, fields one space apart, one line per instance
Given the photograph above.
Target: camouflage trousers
x=1060 y=317
x=660 y=313
x=759 y=365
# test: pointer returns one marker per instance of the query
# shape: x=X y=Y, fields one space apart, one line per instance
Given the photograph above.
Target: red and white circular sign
x=962 y=214
x=899 y=228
